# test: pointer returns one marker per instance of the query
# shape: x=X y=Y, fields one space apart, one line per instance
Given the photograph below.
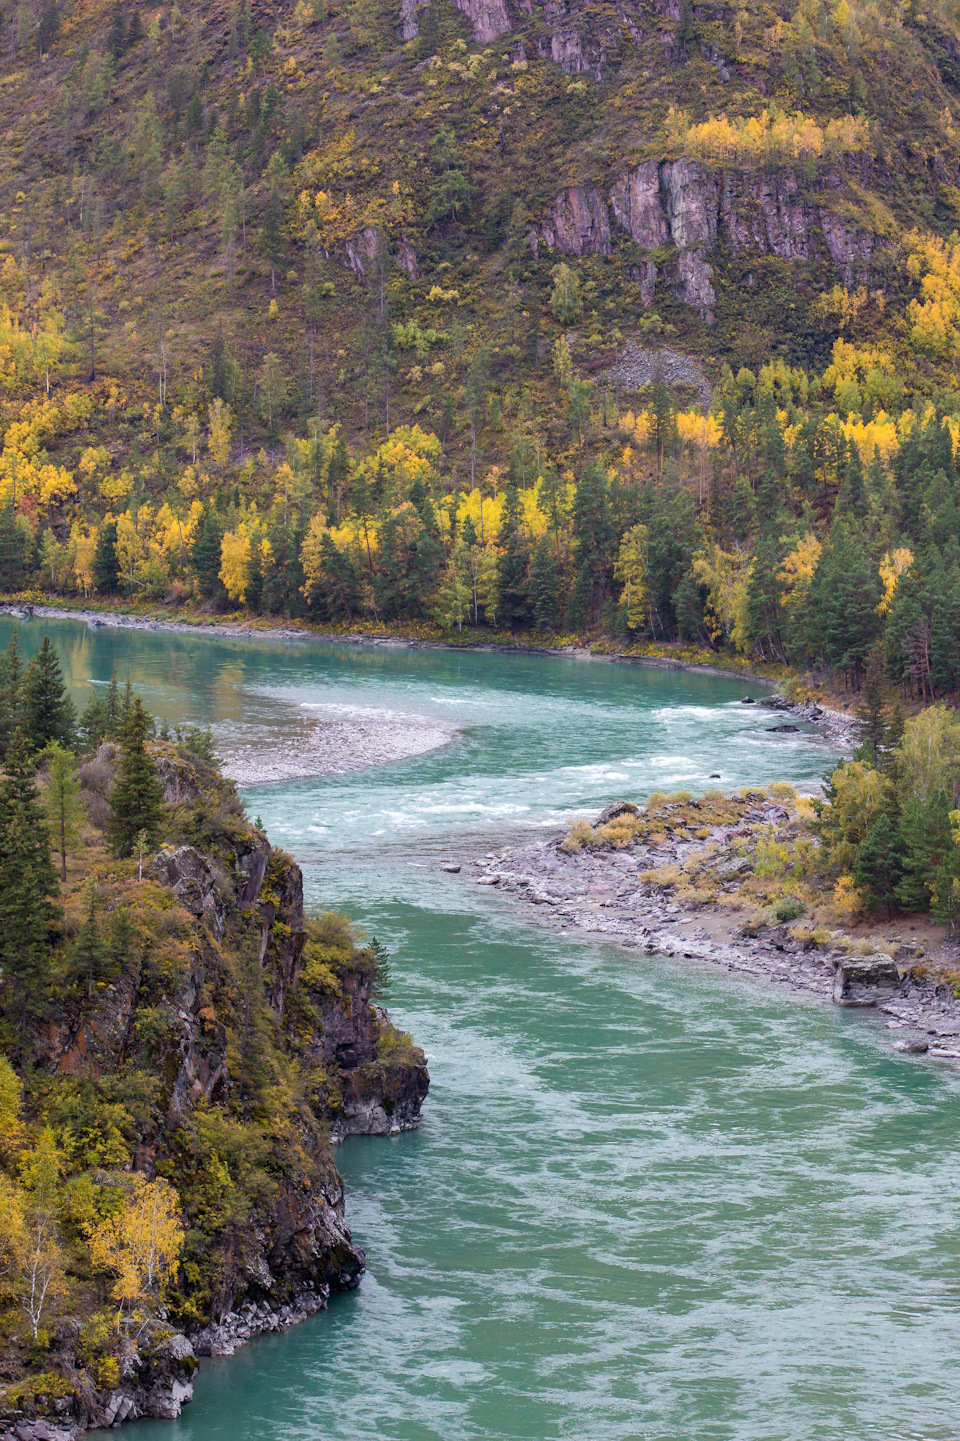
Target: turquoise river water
x=647 y=1200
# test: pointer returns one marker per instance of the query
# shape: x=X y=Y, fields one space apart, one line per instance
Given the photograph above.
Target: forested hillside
x=638 y=320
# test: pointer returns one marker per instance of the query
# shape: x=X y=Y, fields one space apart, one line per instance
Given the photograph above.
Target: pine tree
x=28 y=884
x=136 y=802
x=48 y=712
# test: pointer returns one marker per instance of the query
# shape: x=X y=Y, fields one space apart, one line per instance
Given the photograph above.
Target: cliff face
x=703 y=215
x=239 y=952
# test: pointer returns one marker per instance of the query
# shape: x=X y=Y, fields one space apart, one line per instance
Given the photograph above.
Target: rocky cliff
x=225 y=975
x=702 y=214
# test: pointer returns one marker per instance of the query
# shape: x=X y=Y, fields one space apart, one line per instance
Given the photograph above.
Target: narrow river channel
x=647 y=1200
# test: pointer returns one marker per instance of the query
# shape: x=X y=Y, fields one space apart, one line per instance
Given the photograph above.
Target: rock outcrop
x=579 y=223
x=225 y=900
x=698 y=211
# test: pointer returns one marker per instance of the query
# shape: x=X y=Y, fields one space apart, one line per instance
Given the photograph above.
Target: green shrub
x=788 y=908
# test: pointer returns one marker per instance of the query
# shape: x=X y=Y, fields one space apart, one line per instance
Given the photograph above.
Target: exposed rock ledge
x=696 y=211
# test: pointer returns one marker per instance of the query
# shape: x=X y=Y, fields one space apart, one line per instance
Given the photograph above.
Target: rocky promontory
x=219 y=1047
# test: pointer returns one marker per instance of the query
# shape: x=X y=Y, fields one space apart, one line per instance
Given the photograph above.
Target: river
x=647 y=1200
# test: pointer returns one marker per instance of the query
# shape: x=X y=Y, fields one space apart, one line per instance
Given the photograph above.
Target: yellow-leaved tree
x=41 y=1282
x=140 y=1244
x=631 y=569
x=220 y=419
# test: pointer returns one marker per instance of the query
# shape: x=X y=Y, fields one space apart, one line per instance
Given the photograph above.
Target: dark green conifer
x=136 y=802
x=11 y=692
x=105 y=569
x=28 y=884
x=878 y=867
x=514 y=560
x=873 y=703
x=89 y=952
x=543 y=587
x=925 y=839
x=48 y=712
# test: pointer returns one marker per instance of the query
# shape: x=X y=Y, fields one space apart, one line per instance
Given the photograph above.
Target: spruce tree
x=873 y=703
x=12 y=547
x=48 y=712
x=925 y=840
x=544 y=580
x=514 y=559
x=205 y=554
x=28 y=884
x=382 y=980
x=878 y=865
x=136 y=801
x=105 y=569
x=11 y=692
x=120 y=944
x=89 y=952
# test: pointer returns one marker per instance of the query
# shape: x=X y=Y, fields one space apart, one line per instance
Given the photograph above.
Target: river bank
x=683 y=878
x=270 y=628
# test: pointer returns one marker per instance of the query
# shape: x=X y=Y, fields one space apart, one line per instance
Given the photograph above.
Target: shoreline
x=624 y=896
x=131 y=620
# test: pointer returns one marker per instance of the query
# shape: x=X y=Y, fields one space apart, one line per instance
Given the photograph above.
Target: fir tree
x=48 y=712
x=136 y=801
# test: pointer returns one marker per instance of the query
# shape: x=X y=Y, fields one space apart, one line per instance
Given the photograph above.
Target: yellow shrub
x=581 y=833
x=665 y=876
x=847 y=900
